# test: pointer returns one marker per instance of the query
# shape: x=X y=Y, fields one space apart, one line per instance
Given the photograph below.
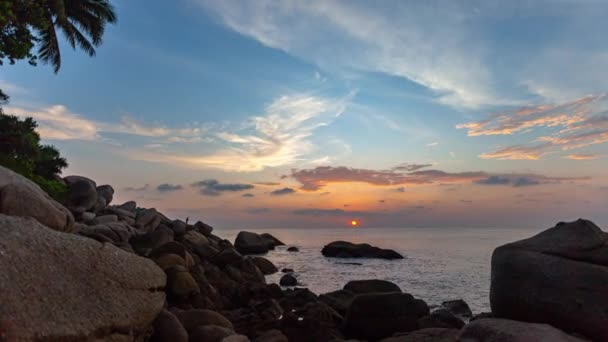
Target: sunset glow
x=354 y=223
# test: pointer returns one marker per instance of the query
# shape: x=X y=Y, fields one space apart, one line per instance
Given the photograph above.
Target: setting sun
x=354 y=223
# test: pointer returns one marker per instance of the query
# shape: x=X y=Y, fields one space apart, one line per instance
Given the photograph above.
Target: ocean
x=440 y=263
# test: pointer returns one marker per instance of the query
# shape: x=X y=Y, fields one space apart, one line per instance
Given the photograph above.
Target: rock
x=210 y=333
x=250 y=243
x=226 y=256
x=167 y=328
x=558 y=277
x=105 y=219
x=191 y=319
x=179 y=227
x=169 y=260
x=82 y=193
x=99 y=205
x=236 y=338
x=180 y=284
x=128 y=206
x=378 y=315
x=288 y=280
x=343 y=249
x=203 y=228
x=272 y=335
x=440 y=318
x=195 y=239
x=21 y=197
x=293 y=249
x=427 y=335
x=88 y=217
x=458 y=308
x=287 y=270
x=339 y=300
x=106 y=192
x=57 y=286
x=482 y=315
x=148 y=219
x=371 y=286
x=146 y=242
x=314 y=321
x=265 y=265
x=504 y=330
x=271 y=241
x=118 y=233
x=121 y=213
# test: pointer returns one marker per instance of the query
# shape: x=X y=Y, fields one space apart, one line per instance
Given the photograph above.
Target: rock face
x=371 y=286
x=343 y=249
x=82 y=193
x=58 y=286
x=379 y=315
x=250 y=243
x=21 y=197
x=504 y=330
x=557 y=277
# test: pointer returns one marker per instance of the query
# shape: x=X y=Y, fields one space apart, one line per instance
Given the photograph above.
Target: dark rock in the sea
x=293 y=249
x=265 y=265
x=482 y=315
x=288 y=280
x=250 y=243
x=271 y=240
x=441 y=318
x=458 y=307
x=503 y=330
x=82 y=193
x=558 y=277
x=339 y=300
x=314 y=321
x=210 y=333
x=272 y=335
x=350 y=263
x=167 y=328
x=371 y=286
x=344 y=249
x=65 y=287
x=287 y=270
x=20 y=196
x=378 y=315
x=191 y=319
x=429 y=335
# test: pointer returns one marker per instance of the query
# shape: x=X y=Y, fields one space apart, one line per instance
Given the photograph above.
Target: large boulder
x=167 y=328
x=265 y=265
x=82 y=193
x=344 y=249
x=378 y=315
x=21 y=197
x=558 y=277
x=427 y=335
x=339 y=300
x=106 y=192
x=250 y=243
x=371 y=286
x=505 y=330
x=271 y=241
x=65 y=287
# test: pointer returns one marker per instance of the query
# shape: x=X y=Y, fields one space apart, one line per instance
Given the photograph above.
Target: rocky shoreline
x=88 y=270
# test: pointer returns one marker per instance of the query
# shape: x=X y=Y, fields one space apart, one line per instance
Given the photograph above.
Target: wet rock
x=271 y=241
x=288 y=280
x=440 y=318
x=167 y=328
x=344 y=249
x=379 y=315
x=265 y=265
x=458 y=307
x=481 y=315
x=21 y=197
x=293 y=249
x=371 y=286
x=250 y=243
x=287 y=270
x=91 y=289
x=557 y=277
x=503 y=330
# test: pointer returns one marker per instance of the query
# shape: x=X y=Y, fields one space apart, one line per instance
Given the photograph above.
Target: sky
x=305 y=114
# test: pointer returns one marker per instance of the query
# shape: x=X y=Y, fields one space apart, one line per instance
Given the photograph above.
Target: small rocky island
x=88 y=270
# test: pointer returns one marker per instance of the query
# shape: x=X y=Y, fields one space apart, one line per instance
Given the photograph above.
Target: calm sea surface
x=440 y=263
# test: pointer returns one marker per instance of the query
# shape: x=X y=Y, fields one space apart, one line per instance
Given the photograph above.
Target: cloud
x=432 y=46
x=280 y=137
x=328 y=212
x=281 y=192
x=143 y=188
x=168 y=187
x=59 y=123
x=248 y=195
x=582 y=156
x=575 y=124
x=256 y=211
x=433 y=144
x=267 y=183
x=319 y=177
x=212 y=187
x=411 y=167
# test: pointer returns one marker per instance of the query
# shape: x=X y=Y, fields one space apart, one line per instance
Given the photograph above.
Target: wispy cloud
x=283 y=191
x=317 y=178
x=279 y=137
x=169 y=187
x=582 y=156
x=142 y=188
x=212 y=187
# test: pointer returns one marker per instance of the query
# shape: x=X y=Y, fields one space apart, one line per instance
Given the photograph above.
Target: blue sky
x=398 y=113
